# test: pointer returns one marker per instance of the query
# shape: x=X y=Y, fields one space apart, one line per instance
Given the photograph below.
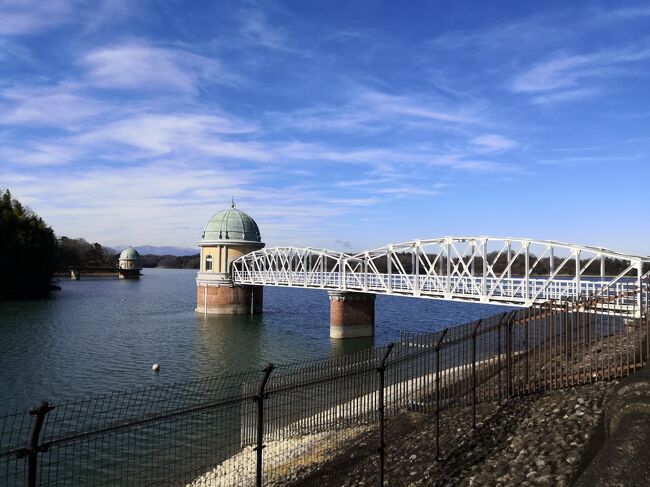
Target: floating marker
x=155 y=367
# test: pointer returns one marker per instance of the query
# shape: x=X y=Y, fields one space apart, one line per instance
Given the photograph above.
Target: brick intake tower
x=228 y=235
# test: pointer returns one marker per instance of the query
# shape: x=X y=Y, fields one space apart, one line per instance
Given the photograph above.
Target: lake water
x=103 y=334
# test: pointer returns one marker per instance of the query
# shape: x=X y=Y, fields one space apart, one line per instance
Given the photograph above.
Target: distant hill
x=154 y=250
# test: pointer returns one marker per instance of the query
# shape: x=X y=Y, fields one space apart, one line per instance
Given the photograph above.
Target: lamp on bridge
x=229 y=234
x=129 y=265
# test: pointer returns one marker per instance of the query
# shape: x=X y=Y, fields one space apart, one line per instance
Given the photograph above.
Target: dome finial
x=232 y=202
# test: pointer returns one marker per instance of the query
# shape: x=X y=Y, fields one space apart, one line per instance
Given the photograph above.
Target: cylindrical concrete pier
x=351 y=314
x=229 y=299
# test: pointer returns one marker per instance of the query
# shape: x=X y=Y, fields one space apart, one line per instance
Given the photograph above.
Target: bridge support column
x=75 y=274
x=229 y=299
x=351 y=314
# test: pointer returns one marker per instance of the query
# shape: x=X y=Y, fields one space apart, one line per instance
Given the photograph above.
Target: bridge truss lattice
x=509 y=271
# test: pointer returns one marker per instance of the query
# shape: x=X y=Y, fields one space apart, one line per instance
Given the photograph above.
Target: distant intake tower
x=229 y=234
x=129 y=265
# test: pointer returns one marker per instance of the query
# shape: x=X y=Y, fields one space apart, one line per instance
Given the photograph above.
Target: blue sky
x=334 y=124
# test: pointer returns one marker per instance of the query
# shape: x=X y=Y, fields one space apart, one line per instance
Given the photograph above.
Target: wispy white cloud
x=563 y=72
x=401 y=105
x=531 y=31
x=397 y=185
x=493 y=143
x=106 y=13
x=369 y=182
x=256 y=29
x=564 y=76
x=133 y=137
x=171 y=201
x=36 y=105
x=565 y=95
x=608 y=15
x=371 y=112
x=397 y=159
x=168 y=132
x=406 y=191
x=41 y=154
x=19 y=17
x=30 y=17
x=556 y=27
x=10 y=51
x=143 y=67
x=467 y=163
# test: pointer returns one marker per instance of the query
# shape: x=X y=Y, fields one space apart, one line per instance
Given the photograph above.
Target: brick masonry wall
x=229 y=299
x=351 y=314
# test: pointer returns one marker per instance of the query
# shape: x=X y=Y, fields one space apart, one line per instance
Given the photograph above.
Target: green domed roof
x=232 y=225
x=130 y=254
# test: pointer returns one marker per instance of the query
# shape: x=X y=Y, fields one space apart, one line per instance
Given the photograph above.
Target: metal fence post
x=509 y=356
x=32 y=450
x=438 y=344
x=532 y=318
x=259 y=399
x=382 y=447
x=474 y=331
x=645 y=316
x=504 y=318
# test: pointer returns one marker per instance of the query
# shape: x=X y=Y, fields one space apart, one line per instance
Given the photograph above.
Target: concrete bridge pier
x=75 y=274
x=352 y=315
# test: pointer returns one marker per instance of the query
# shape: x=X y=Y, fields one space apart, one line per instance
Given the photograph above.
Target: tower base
x=352 y=315
x=128 y=273
x=229 y=299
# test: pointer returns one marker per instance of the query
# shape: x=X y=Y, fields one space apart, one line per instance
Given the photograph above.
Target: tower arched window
x=208 y=263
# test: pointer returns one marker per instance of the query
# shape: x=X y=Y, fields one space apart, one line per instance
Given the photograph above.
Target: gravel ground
x=536 y=440
x=287 y=460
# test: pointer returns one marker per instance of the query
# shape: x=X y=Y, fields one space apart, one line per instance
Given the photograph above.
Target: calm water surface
x=103 y=334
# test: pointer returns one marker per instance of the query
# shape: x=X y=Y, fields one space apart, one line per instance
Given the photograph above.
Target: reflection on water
x=232 y=342
x=103 y=334
x=350 y=345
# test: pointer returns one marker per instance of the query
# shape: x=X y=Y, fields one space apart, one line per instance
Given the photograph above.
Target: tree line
x=30 y=253
x=77 y=253
x=170 y=261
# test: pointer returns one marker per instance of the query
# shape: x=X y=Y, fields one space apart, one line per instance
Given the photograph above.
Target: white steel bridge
x=507 y=271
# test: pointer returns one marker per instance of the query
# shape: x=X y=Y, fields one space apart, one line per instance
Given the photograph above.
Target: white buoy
x=155 y=367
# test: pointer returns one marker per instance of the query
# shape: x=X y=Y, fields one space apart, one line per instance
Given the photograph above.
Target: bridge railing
x=517 y=290
x=486 y=269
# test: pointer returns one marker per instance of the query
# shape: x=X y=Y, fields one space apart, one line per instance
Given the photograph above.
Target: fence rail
x=276 y=427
